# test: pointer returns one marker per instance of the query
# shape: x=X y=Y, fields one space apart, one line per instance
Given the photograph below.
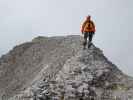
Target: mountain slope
x=57 y=68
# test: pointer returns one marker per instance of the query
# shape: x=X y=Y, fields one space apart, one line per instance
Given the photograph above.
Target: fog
x=22 y=20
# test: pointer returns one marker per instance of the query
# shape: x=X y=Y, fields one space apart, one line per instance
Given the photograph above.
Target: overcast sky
x=22 y=20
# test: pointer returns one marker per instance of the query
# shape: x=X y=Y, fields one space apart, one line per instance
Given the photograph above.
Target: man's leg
x=90 y=39
x=85 y=39
x=90 y=36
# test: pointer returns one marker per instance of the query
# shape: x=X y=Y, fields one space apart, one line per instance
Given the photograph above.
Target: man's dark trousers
x=86 y=35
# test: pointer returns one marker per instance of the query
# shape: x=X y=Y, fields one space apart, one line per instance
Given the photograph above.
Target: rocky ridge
x=57 y=68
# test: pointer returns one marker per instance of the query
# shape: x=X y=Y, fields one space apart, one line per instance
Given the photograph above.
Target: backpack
x=88 y=26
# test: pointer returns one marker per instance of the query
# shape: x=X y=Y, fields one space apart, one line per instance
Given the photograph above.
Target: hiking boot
x=89 y=45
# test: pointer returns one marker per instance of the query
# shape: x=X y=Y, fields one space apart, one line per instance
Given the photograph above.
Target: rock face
x=57 y=68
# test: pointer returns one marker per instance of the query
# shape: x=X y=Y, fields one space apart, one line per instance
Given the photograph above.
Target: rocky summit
x=57 y=68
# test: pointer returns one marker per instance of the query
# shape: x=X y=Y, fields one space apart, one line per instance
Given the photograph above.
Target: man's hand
x=82 y=31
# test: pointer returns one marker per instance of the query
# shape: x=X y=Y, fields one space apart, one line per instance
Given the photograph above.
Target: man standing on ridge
x=88 y=30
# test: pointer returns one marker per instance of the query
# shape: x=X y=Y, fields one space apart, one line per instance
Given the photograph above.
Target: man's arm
x=82 y=28
x=94 y=28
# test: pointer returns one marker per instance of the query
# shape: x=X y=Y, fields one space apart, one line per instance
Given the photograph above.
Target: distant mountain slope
x=57 y=68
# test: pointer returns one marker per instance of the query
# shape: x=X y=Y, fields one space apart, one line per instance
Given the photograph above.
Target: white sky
x=21 y=20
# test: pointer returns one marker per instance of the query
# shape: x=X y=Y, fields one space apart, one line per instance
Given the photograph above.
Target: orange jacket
x=88 y=26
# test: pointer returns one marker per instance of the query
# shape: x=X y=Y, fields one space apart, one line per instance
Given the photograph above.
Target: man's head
x=88 y=17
